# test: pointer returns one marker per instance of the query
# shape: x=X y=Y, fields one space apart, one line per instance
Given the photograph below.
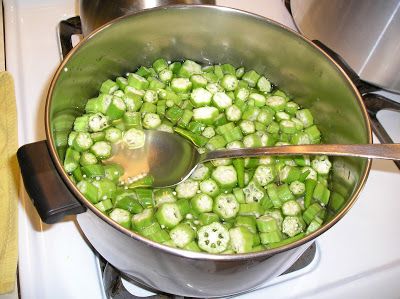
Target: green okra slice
x=182 y=235
x=143 y=219
x=226 y=206
x=241 y=239
x=169 y=215
x=213 y=238
x=122 y=217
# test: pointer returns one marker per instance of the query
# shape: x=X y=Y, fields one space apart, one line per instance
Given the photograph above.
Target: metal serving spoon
x=170 y=158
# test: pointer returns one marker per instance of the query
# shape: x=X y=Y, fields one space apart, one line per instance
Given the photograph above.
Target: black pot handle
x=373 y=102
x=49 y=193
x=67 y=28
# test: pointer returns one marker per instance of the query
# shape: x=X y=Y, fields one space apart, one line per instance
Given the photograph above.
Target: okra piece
x=321 y=194
x=241 y=239
x=192 y=246
x=253 y=192
x=93 y=170
x=286 y=241
x=89 y=191
x=251 y=77
x=169 y=215
x=216 y=142
x=202 y=203
x=181 y=85
x=247 y=221
x=81 y=123
x=101 y=149
x=263 y=84
x=208 y=218
x=200 y=97
x=196 y=139
x=277 y=103
x=209 y=187
x=226 y=206
x=292 y=225
x=143 y=219
x=108 y=87
x=229 y=82
x=265 y=174
x=143 y=182
x=189 y=68
x=113 y=172
x=148 y=108
x=250 y=209
x=311 y=212
x=104 y=205
x=266 y=224
x=182 y=235
x=205 y=115
x=113 y=135
x=128 y=203
x=185 y=208
x=97 y=122
x=134 y=138
x=137 y=81
x=151 y=121
x=272 y=191
x=314 y=134
x=122 y=217
x=145 y=197
x=289 y=174
x=213 y=238
x=201 y=173
x=198 y=81
x=160 y=64
x=187 y=189
x=159 y=236
x=291 y=208
x=71 y=160
x=163 y=195
x=315 y=224
x=310 y=186
x=297 y=188
x=152 y=229
x=271 y=237
x=239 y=167
x=106 y=188
x=305 y=116
x=225 y=176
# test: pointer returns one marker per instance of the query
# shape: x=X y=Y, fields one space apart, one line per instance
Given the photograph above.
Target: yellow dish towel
x=9 y=182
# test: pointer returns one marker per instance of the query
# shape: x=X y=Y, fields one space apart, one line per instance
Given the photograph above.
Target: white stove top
x=358 y=258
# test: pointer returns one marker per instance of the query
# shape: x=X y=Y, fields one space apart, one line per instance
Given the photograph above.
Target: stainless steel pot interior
x=207 y=34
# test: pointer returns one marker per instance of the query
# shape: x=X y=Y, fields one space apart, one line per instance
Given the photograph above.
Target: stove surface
x=57 y=262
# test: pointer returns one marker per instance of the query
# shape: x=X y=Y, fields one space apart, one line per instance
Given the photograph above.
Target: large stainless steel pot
x=365 y=32
x=207 y=34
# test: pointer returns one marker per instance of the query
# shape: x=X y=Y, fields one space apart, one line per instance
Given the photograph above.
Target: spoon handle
x=375 y=151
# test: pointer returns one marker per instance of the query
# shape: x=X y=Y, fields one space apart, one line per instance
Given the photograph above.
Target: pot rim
x=181 y=252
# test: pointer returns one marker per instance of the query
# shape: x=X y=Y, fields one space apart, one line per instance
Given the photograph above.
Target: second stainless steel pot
x=364 y=32
x=206 y=34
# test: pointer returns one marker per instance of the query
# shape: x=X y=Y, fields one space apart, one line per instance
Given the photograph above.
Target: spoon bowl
x=170 y=158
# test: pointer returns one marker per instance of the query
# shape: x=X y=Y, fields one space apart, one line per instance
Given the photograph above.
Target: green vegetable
x=227 y=206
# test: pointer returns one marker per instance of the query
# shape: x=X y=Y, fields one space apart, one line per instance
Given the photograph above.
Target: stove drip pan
x=118 y=285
